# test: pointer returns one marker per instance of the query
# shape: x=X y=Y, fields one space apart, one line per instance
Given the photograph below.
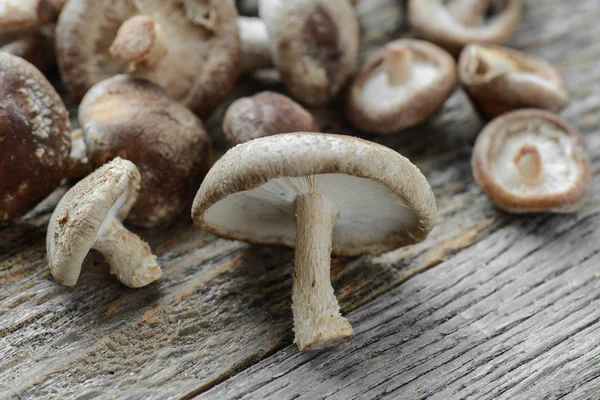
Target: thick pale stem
x=255 y=43
x=318 y=323
x=397 y=64
x=468 y=12
x=529 y=163
x=129 y=257
x=139 y=40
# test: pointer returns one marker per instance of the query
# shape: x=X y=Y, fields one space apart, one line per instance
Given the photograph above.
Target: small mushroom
x=135 y=119
x=400 y=86
x=454 y=23
x=34 y=137
x=265 y=114
x=21 y=15
x=313 y=44
x=321 y=194
x=499 y=80
x=191 y=48
x=89 y=217
x=532 y=161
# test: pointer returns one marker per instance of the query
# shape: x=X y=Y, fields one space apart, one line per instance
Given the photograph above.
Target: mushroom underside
x=534 y=162
x=368 y=212
x=379 y=92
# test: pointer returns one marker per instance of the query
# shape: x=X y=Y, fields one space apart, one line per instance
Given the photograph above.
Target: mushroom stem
x=318 y=323
x=128 y=256
x=21 y=15
x=468 y=12
x=255 y=43
x=139 y=40
x=529 y=163
x=397 y=61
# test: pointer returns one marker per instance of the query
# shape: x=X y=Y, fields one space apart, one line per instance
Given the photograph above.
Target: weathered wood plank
x=224 y=305
x=515 y=316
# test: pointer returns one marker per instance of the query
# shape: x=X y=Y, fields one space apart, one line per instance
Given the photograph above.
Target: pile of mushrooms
x=147 y=72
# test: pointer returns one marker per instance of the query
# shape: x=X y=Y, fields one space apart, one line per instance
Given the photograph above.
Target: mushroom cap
x=565 y=179
x=314 y=44
x=77 y=219
x=432 y=21
x=376 y=106
x=20 y=15
x=499 y=80
x=134 y=119
x=265 y=114
x=204 y=50
x=383 y=199
x=34 y=137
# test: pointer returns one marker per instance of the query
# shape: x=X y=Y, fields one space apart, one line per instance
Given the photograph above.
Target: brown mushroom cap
x=532 y=161
x=34 y=137
x=454 y=23
x=89 y=216
x=499 y=80
x=134 y=119
x=314 y=44
x=384 y=200
x=203 y=52
x=265 y=114
x=400 y=86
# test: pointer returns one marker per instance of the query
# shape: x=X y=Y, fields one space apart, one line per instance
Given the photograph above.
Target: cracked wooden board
x=222 y=306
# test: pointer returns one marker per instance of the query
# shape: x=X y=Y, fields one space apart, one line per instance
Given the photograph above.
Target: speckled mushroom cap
x=400 y=86
x=532 y=161
x=78 y=217
x=34 y=137
x=265 y=114
x=314 y=44
x=499 y=80
x=384 y=201
x=436 y=21
x=203 y=51
x=134 y=119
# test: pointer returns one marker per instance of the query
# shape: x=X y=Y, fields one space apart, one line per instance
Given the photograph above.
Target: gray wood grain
x=222 y=306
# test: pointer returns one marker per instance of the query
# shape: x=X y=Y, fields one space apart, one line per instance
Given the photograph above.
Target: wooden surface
x=497 y=306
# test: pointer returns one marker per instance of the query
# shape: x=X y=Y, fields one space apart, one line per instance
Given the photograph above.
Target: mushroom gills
x=370 y=211
x=401 y=74
x=469 y=12
x=537 y=160
x=129 y=257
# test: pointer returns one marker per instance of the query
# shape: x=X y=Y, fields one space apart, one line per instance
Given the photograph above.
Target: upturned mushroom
x=400 y=86
x=321 y=194
x=134 y=119
x=89 y=217
x=454 y=23
x=530 y=161
x=34 y=137
x=313 y=44
x=191 y=48
x=265 y=114
x=499 y=80
x=21 y=15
